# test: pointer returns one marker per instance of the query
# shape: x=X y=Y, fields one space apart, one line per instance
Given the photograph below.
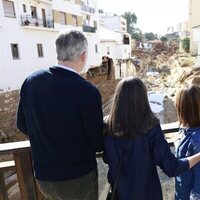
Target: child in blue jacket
x=188 y=109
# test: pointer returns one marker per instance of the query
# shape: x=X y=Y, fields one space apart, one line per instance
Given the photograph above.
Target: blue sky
x=153 y=15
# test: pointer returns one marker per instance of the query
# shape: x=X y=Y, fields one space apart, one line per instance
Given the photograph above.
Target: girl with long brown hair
x=135 y=142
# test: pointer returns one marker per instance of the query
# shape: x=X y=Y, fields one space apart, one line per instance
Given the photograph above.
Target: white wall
x=112 y=47
x=13 y=72
x=114 y=40
x=196 y=34
x=66 y=6
x=111 y=22
x=94 y=59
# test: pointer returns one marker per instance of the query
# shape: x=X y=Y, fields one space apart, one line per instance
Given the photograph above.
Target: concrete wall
x=194 y=20
x=8 y=106
x=115 y=23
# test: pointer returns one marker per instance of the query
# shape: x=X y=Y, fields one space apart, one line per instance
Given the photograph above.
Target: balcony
x=87 y=8
x=89 y=29
x=36 y=22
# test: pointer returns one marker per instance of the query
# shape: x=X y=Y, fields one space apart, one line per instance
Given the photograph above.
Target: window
x=96 y=48
x=15 y=51
x=40 y=50
x=33 y=12
x=9 y=9
x=95 y=24
x=24 y=8
x=74 y=20
x=63 y=18
x=126 y=40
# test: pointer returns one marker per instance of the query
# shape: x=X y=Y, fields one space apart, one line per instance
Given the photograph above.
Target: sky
x=153 y=15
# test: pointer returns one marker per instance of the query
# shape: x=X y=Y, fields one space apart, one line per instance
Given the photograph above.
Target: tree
x=150 y=36
x=137 y=36
x=186 y=44
x=163 y=39
x=131 y=19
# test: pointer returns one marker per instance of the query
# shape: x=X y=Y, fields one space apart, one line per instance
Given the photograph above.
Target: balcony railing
x=89 y=29
x=31 y=21
x=87 y=8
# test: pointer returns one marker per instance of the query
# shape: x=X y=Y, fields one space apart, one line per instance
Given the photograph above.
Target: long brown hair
x=131 y=114
x=188 y=105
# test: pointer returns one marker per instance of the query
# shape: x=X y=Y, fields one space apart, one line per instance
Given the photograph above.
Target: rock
x=3 y=137
x=196 y=80
x=196 y=67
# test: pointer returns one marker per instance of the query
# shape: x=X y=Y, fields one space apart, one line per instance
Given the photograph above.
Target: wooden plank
x=3 y=190
x=14 y=147
x=7 y=164
x=170 y=128
x=25 y=177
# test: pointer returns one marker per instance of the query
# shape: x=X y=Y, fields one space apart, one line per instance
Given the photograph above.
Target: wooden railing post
x=3 y=191
x=25 y=177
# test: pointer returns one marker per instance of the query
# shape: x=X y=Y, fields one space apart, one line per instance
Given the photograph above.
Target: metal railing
x=89 y=29
x=24 y=169
x=31 y=21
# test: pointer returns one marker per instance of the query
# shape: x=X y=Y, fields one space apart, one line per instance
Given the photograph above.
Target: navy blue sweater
x=138 y=176
x=62 y=115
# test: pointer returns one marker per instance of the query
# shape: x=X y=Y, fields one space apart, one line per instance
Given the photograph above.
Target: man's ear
x=84 y=56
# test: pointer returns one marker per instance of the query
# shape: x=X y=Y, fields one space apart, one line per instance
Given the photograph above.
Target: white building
x=183 y=29
x=25 y=45
x=28 y=29
x=196 y=39
x=115 y=41
x=90 y=17
x=113 y=22
x=116 y=45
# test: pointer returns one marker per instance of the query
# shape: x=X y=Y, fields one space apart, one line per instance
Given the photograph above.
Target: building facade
x=115 y=41
x=28 y=29
x=113 y=22
x=194 y=21
x=196 y=39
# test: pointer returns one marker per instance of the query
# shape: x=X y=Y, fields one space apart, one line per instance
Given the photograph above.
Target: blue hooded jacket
x=188 y=184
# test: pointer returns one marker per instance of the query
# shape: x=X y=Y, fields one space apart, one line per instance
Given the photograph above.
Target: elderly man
x=62 y=115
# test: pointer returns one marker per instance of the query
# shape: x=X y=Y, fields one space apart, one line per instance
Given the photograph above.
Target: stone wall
x=8 y=107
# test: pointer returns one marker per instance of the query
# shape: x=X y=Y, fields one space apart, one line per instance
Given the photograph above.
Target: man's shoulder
x=38 y=73
x=89 y=87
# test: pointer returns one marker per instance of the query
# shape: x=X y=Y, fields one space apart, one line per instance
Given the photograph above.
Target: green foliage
x=137 y=36
x=150 y=36
x=131 y=21
x=186 y=44
x=163 y=39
